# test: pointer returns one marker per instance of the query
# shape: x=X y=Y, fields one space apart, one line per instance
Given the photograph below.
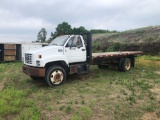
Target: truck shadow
x=39 y=83
x=74 y=78
x=71 y=79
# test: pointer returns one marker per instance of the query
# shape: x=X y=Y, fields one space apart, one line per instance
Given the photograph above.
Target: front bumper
x=33 y=71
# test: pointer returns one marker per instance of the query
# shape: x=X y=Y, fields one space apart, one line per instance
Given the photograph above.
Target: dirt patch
x=153 y=115
x=2 y=83
x=158 y=72
x=150 y=116
x=157 y=91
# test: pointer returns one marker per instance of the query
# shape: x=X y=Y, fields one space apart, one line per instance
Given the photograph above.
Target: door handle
x=83 y=49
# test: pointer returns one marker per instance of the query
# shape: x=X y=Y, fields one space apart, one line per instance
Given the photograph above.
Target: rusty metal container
x=9 y=52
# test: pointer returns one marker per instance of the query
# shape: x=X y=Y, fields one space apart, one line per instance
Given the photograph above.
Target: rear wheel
x=55 y=76
x=124 y=64
x=120 y=64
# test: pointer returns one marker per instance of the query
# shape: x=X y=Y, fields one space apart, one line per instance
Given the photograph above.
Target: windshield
x=59 y=41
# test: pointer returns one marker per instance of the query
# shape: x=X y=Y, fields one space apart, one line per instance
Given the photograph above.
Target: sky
x=21 y=20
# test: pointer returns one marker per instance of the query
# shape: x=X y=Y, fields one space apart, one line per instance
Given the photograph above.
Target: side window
x=75 y=42
x=79 y=42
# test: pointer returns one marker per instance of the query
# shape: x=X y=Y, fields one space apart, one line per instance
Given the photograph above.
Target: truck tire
x=120 y=64
x=55 y=75
x=124 y=64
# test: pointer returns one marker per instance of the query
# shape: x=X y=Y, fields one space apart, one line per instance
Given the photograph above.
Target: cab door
x=75 y=50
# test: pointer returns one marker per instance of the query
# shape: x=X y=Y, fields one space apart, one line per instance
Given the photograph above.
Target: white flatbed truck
x=70 y=54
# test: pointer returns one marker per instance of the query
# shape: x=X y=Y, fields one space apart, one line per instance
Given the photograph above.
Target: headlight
x=38 y=63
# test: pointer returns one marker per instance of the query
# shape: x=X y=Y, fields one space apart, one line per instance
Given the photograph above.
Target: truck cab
x=69 y=49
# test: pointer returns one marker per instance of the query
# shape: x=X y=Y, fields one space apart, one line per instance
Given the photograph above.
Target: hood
x=47 y=50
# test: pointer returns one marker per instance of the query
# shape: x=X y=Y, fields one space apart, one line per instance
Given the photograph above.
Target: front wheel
x=55 y=76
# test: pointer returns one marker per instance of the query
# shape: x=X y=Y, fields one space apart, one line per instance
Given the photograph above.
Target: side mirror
x=78 y=46
x=70 y=46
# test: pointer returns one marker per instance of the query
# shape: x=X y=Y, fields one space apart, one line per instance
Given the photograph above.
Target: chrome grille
x=28 y=58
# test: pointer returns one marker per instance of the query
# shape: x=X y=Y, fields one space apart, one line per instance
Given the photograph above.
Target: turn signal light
x=39 y=56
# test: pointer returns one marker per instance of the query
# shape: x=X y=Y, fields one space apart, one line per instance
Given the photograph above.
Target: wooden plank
x=9 y=46
x=10 y=52
x=9 y=58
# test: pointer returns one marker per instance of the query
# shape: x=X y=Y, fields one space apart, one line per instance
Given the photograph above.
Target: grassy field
x=101 y=95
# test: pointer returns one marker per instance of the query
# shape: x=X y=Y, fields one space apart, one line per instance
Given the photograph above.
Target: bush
x=96 y=46
x=112 y=47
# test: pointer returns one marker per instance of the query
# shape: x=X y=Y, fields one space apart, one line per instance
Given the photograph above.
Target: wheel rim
x=128 y=65
x=56 y=77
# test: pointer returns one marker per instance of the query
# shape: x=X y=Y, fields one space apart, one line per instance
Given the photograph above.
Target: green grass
x=101 y=94
x=14 y=101
x=149 y=57
x=83 y=113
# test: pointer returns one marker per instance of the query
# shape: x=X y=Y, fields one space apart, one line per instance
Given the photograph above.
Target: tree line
x=96 y=31
x=64 y=28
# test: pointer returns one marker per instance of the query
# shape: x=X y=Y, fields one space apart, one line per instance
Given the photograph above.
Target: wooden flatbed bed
x=114 y=57
x=115 y=54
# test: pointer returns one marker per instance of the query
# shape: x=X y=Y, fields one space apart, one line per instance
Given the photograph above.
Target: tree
x=52 y=37
x=79 y=30
x=41 y=37
x=63 y=29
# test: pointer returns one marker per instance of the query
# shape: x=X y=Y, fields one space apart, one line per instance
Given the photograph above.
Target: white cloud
x=27 y=17
x=18 y=21
x=16 y=38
